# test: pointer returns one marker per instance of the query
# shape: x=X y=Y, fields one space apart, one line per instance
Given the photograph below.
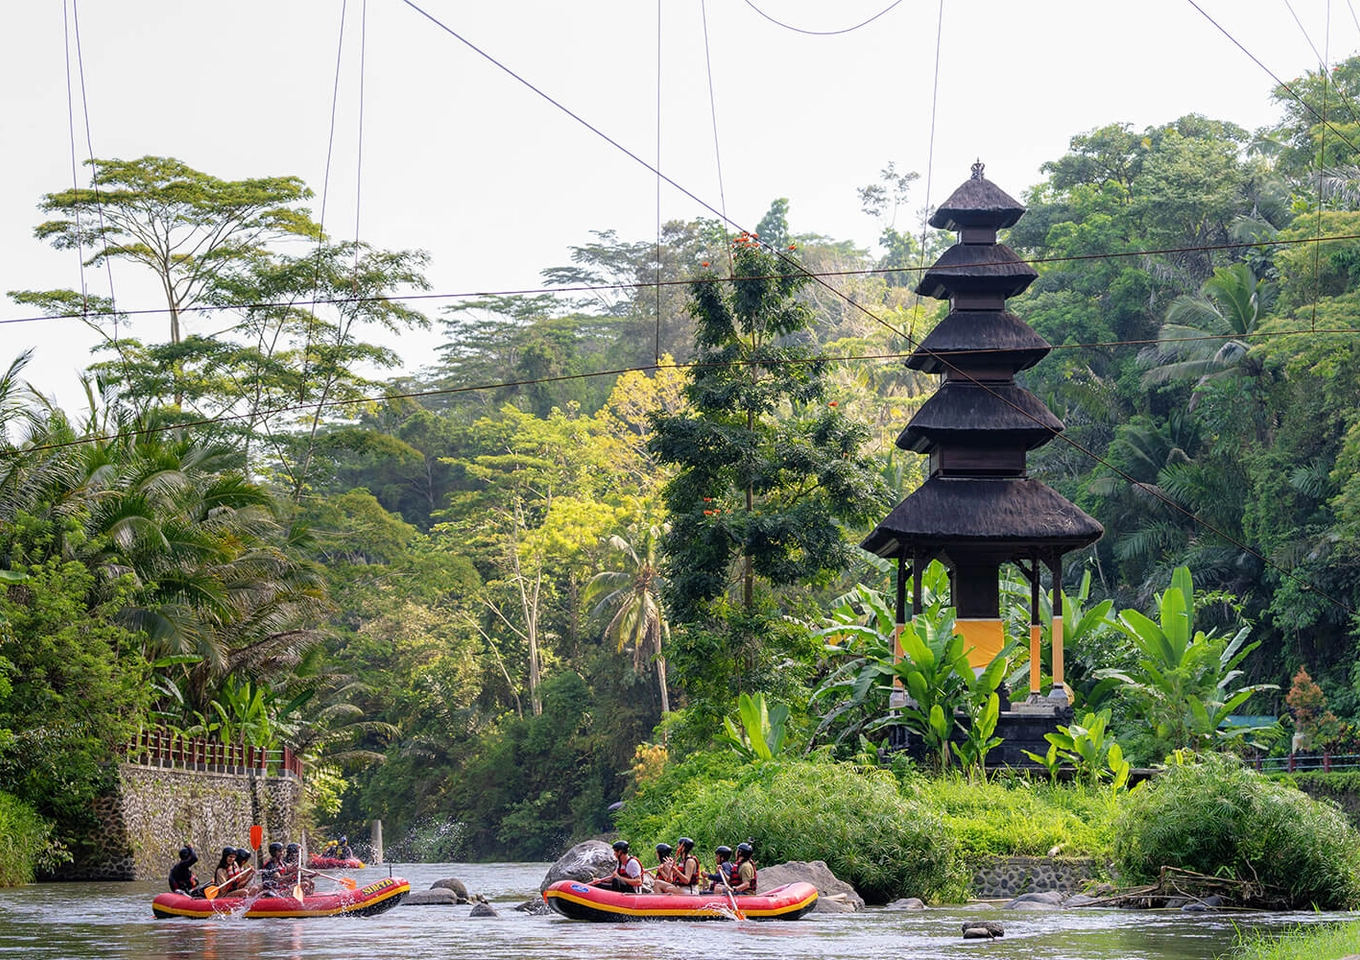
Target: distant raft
x=363 y=902
x=581 y=901
x=334 y=863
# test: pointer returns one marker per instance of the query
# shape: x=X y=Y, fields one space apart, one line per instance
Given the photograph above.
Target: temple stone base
x=1021 y=727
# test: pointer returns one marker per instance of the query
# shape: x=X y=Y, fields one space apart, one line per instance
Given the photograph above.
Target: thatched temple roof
x=978 y=203
x=993 y=338
x=977 y=268
x=999 y=414
x=1015 y=511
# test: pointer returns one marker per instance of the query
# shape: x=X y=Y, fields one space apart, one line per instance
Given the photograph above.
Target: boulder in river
x=457 y=886
x=982 y=930
x=437 y=897
x=1047 y=900
x=585 y=861
x=483 y=910
x=834 y=895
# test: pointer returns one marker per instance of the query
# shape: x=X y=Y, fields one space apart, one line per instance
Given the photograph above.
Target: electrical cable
x=603 y=287
x=822 y=33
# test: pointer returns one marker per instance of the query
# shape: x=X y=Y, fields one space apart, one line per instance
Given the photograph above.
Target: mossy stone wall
x=998 y=878
x=155 y=810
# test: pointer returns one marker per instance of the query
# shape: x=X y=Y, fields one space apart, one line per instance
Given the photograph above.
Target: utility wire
x=639 y=285
x=822 y=33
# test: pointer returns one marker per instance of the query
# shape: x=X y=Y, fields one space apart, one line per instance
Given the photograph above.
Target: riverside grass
x=1331 y=941
x=26 y=843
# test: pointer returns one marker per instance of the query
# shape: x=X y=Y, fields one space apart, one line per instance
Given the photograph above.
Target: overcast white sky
x=463 y=161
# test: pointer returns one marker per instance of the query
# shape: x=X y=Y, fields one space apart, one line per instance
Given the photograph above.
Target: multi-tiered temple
x=978 y=508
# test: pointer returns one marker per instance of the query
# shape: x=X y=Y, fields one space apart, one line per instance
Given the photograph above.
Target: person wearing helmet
x=686 y=866
x=726 y=873
x=665 y=872
x=343 y=851
x=627 y=876
x=293 y=875
x=746 y=869
x=182 y=879
x=273 y=872
x=226 y=867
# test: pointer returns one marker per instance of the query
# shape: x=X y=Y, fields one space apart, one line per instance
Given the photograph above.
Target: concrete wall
x=156 y=810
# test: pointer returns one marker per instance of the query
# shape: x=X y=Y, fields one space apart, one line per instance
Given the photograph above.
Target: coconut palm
x=631 y=597
x=1204 y=334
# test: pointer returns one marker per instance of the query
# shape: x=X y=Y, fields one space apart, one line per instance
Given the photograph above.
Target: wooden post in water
x=376 y=833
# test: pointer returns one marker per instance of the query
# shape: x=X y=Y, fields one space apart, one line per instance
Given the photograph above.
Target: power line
x=822 y=33
x=647 y=285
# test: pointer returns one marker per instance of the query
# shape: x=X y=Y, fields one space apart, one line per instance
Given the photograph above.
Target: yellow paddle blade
x=210 y=892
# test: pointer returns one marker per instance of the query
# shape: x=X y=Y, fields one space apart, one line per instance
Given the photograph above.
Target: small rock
x=982 y=930
x=535 y=908
x=827 y=905
x=907 y=903
x=438 y=897
x=1080 y=900
x=1048 y=900
x=483 y=910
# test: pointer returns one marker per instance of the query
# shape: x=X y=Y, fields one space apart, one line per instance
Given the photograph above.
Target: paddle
x=349 y=883
x=722 y=875
x=212 y=892
x=256 y=841
x=302 y=858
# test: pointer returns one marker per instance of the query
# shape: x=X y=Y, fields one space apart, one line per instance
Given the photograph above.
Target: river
x=82 y=921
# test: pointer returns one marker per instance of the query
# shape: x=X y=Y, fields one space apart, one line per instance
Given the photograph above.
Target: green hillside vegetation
x=488 y=600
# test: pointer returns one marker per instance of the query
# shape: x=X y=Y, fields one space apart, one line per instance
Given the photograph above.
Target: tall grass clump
x=1214 y=816
x=883 y=844
x=1301 y=943
x=26 y=843
x=1019 y=817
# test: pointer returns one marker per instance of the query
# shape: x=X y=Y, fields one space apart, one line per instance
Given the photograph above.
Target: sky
x=456 y=157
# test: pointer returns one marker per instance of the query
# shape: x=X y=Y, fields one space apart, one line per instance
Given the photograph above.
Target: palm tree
x=632 y=599
x=1204 y=334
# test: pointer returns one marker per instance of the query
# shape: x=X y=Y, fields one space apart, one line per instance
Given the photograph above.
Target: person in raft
x=627 y=876
x=235 y=886
x=686 y=866
x=273 y=870
x=666 y=870
x=293 y=873
x=182 y=879
x=726 y=870
x=343 y=851
x=227 y=868
x=746 y=869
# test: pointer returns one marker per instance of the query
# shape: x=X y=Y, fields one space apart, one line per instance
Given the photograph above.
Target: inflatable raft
x=581 y=901
x=334 y=863
x=363 y=902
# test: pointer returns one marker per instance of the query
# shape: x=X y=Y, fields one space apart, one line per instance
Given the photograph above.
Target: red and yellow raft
x=363 y=902
x=334 y=863
x=581 y=901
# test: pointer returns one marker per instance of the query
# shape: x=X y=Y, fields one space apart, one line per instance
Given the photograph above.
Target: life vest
x=752 y=888
x=684 y=876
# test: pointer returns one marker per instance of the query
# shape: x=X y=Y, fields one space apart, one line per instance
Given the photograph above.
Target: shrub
x=26 y=843
x=852 y=817
x=1020 y=817
x=1217 y=817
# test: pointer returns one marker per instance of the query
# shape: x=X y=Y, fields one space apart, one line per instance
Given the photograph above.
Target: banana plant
x=761 y=735
x=983 y=705
x=1087 y=745
x=1186 y=683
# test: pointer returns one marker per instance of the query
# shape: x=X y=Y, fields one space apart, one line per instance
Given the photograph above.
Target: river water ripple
x=85 y=921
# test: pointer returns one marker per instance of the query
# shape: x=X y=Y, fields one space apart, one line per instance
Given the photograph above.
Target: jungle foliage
x=489 y=597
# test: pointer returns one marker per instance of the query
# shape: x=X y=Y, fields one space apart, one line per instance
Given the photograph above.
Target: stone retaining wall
x=1004 y=877
x=154 y=811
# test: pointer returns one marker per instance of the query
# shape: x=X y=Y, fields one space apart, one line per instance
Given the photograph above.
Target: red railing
x=164 y=748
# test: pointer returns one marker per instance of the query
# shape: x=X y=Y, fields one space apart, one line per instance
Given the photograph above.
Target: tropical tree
x=631 y=598
x=1205 y=333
